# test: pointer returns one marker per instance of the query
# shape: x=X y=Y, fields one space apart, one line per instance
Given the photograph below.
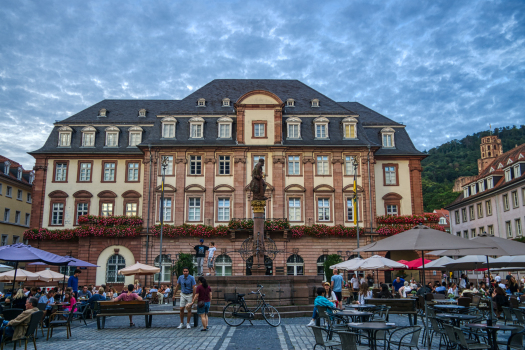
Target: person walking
x=337 y=286
x=200 y=254
x=211 y=259
x=203 y=297
x=186 y=282
x=73 y=282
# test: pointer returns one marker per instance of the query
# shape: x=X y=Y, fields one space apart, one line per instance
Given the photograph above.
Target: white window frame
x=18 y=216
x=102 y=113
x=222 y=262
x=64 y=136
x=196 y=128
x=473 y=189
x=224 y=123
x=519 y=229
x=133 y=169
x=85 y=172
x=88 y=134
x=349 y=165
x=290 y=102
x=19 y=173
x=387 y=138
x=481 y=186
x=61 y=172
x=106 y=209
x=508 y=175
x=7 y=165
x=321 y=123
x=516 y=171
x=506 y=202
x=293 y=123
x=223 y=209
x=167 y=208
x=194 y=209
x=114 y=131
x=142 y=113
x=508 y=228
x=351 y=124
x=7 y=214
x=490 y=229
x=201 y=102
x=168 y=121
x=294 y=209
x=82 y=209
x=323 y=166
x=19 y=194
x=295 y=261
x=131 y=209
x=350 y=209
x=135 y=131
x=57 y=214
x=294 y=165
x=258 y=128
x=169 y=168
x=490 y=182
x=465 y=192
x=28 y=219
x=315 y=103
x=226 y=102
x=323 y=209
x=9 y=191
x=109 y=172
x=165 y=269
x=390 y=175
x=224 y=165
x=390 y=209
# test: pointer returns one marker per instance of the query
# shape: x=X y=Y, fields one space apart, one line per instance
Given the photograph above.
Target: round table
x=361 y=315
x=372 y=328
x=457 y=318
x=445 y=301
x=491 y=332
x=359 y=306
x=449 y=307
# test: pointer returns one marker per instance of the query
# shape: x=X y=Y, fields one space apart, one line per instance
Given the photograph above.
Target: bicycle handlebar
x=259 y=290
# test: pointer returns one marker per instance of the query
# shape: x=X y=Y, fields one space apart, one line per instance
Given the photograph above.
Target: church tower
x=490 y=149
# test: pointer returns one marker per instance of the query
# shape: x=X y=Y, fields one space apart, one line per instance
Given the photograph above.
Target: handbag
x=200 y=304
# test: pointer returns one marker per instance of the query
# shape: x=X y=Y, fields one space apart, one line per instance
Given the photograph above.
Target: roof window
x=315 y=102
x=226 y=102
x=102 y=112
x=64 y=136
x=142 y=113
x=387 y=135
x=290 y=102
x=201 y=102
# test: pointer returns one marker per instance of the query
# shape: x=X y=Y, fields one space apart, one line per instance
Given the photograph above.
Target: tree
x=185 y=260
x=332 y=259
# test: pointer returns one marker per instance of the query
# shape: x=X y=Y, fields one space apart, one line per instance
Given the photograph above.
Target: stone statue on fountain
x=258 y=185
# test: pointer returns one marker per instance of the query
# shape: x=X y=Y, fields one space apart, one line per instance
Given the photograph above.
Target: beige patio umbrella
x=21 y=276
x=139 y=269
x=52 y=276
x=351 y=264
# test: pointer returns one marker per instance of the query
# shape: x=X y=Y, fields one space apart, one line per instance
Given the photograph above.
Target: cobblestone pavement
x=292 y=334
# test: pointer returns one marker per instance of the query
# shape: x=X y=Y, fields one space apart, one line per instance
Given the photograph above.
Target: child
x=211 y=258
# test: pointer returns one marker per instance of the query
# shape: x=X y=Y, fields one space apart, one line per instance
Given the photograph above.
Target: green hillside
x=456 y=158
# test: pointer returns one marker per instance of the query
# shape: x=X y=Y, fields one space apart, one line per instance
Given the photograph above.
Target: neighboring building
x=15 y=200
x=493 y=201
x=444 y=218
x=98 y=162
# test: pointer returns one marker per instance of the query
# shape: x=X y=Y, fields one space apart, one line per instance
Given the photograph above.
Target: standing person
x=509 y=276
x=355 y=285
x=186 y=282
x=203 y=297
x=398 y=283
x=211 y=258
x=364 y=292
x=200 y=254
x=337 y=286
x=167 y=293
x=73 y=282
x=129 y=296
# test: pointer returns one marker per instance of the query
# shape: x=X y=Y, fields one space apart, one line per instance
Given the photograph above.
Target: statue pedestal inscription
x=258 y=206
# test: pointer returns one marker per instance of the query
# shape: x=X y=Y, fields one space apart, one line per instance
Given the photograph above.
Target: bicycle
x=236 y=312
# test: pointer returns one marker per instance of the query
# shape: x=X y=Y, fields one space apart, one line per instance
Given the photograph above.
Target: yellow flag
x=162 y=185
x=355 y=202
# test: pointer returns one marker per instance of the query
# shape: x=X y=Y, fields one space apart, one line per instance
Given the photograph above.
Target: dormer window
x=349 y=128
x=64 y=136
x=315 y=102
x=201 y=102
x=321 y=128
x=196 y=127
x=31 y=177
x=142 y=113
x=135 y=135
x=102 y=112
x=387 y=134
x=294 y=128
x=500 y=166
x=465 y=192
x=508 y=174
x=473 y=189
x=442 y=221
x=88 y=136
x=226 y=102
x=168 y=127
x=112 y=133
x=7 y=165
x=481 y=186
x=290 y=102
x=19 y=173
x=225 y=127
x=517 y=171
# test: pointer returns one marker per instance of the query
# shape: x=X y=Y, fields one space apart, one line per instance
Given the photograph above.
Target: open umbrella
x=438 y=263
x=351 y=264
x=468 y=262
x=51 y=275
x=20 y=276
x=4 y=268
x=139 y=269
x=72 y=262
x=378 y=262
x=509 y=261
x=404 y=262
x=421 y=238
x=416 y=263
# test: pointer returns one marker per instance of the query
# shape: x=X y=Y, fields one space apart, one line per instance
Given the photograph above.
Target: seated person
x=49 y=300
x=84 y=293
x=321 y=300
x=17 y=328
x=97 y=297
x=18 y=301
x=442 y=289
x=129 y=296
x=385 y=293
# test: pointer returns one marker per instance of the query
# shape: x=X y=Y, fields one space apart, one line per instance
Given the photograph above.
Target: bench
x=132 y=308
x=398 y=307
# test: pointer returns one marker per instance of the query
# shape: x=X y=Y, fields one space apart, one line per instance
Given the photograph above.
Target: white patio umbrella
x=509 y=261
x=351 y=264
x=139 y=269
x=4 y=268
x=438 y=263
x=378 y=262
x=52 y=276
x=21 y=276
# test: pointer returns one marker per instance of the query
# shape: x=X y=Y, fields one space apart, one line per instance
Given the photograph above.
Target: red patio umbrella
x=404 y=262
x=416 y=263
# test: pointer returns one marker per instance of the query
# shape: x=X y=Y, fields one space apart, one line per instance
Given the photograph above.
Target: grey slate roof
x=368 y=116
x=403 y=143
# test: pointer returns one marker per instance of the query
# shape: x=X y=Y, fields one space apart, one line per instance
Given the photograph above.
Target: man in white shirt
x=498 y=278
x=211 y=258
x=355 y=285
x=167 y=292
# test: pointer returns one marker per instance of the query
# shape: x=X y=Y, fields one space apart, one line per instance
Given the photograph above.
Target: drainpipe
x=370 y=193
x=149 y=208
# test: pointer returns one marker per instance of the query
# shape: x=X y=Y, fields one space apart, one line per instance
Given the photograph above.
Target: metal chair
x=11 y=314
x=61 y=323
x=409 y=337
x=464 y=301
x=320 y=339
x=382 y=313
x=436 y=328
x=507 y=314
x=516 y=340
x=439 y=296
x=463 y=343
x=81 y=313
x=349 y=341
x=519 y=317
x=329 y=321
x=30 y=332
x=475 y=300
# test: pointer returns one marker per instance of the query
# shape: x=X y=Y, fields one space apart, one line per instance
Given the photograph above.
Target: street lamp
x=164 y=165
x=356 y=211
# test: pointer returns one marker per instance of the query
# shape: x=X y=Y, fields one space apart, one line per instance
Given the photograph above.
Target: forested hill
x=456 y=158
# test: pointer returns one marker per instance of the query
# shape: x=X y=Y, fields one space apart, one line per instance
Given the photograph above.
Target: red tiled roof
x=513 y=154
x=13 y=170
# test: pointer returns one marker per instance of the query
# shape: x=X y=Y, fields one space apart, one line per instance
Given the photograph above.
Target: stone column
x=258 y=267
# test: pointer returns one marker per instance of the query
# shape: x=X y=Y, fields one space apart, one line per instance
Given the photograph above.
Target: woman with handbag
x=203 y=297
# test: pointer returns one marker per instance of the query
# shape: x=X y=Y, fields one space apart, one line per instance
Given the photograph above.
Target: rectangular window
x=29 y=199
x=28 y=219
x=488 y=206
x=350 y=209
x=168 y=131
x=294 y=165
x=456 y=214
x=506 y=205
x=112 y=138
x=323 y=209
x=17 y=217
x=508 y=175
x=258 y=130
x=464 y=214
x=517 y=223
x=515 y=199
x=7 y=214
x=224 y=209
x=480 y=210
x=169 y=168
x=224 y=131
x=490 y=229
x=471 y=212
x=167 y=209
x=465 y=234
x=131 y=209
x=107 y=209
x=196 y=130
x=224 y=165
x=82 y=209
x=472 y=233
x=322 y=165
x=294 y=209
x=19 y=195
x=4 y=240
x=293 y=131
x=16 y=239
x=133 y=171
x=320 y=131
x=349 y=165
x=135 y=138
x=194 y=209
x=458 y=233
x=65 y=139
x=349 y=131
x=481 y=230
x=85 y=172
x=391 y=209
x=88 y=139
x=508 y=228
x=390 y=175
x=387 y=140
x=195 y=165
x=109 y=172
x=61 y=172
x=57 y=214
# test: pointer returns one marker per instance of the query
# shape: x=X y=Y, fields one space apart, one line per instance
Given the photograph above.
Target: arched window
x=320 y=265
x=115 y=262
x=295 y=265
x=223 y=265
x=165 y=269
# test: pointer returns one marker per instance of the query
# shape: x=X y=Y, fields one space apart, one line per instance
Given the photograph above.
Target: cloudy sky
x=443 y=68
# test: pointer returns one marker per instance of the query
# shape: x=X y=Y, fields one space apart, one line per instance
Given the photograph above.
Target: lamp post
x=356 y=211
x=164 y=165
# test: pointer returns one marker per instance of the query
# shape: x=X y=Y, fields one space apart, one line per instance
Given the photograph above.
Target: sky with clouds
x=444 y=68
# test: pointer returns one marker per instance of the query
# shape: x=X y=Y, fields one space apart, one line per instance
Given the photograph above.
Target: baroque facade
x=106 y=160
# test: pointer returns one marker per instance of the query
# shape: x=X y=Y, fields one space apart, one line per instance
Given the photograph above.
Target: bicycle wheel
x=271 y=315
x=228 y=316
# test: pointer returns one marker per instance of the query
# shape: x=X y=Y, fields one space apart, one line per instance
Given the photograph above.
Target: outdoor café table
x=355 y=315
x=359 y=306
x=445 y=301
x=449 y=307
x=457 y=318
x=491 y=332
x=372 y=328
